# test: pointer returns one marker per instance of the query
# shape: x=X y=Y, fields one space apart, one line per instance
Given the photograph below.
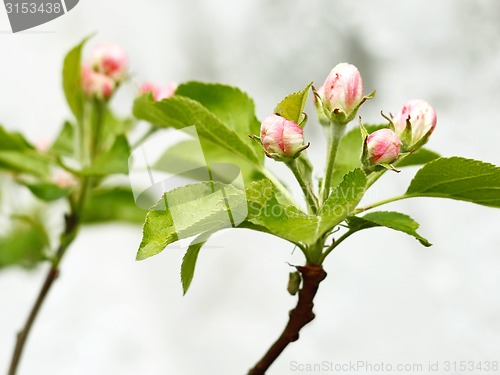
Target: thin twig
x=69 y=232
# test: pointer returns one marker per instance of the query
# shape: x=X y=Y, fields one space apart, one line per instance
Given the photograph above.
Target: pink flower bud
x=42 y=145
x=110 y=60
x=97 y=85
x=64 y=179
x=422 y=118
x=159 y=93
x=166 y=92
x=343 y=90
x=382 y=147
x=280 y=137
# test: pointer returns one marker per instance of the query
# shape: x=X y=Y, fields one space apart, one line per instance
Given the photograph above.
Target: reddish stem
x=312 y=276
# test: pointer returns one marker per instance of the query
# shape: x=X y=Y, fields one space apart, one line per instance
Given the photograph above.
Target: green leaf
x=24 y=245
x=393 y=220
x=114 y=161
x=270 y=215
x=187 y=155
x=112 y=204
x=72 y=80
x=158 y=231
x=342 y=200
x=229 y=104
x=458 y=178
x=18 y=155
x=292 y=107
x=191 y=210
x=112 y=127
x=190 y=258
x=180 y=112
x=25 y=161
x=12 y=141
x=65 y=141
x=47 y=191
x=419 y=157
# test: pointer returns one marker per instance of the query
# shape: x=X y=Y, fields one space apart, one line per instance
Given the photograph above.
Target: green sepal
x=340 y=117
x=292 y=106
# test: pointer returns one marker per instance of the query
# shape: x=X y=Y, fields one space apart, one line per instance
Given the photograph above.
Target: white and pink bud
x=42 y=145
x=281 y=138
x=64 y=179
x=110 y=60
x=97 y=85
x=343 y=92
x=159 y=93
x=415 y=123
x=381 y=147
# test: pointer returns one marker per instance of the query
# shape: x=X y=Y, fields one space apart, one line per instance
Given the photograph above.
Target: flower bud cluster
x=337 y=102
x=105 y=70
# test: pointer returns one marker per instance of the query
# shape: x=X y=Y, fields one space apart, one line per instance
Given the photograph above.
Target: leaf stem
x=334 y=244
x=312 y=201
x=301 y=315
x=337 y=131
x=380 y=203
x=98 y=113
x=373 y=177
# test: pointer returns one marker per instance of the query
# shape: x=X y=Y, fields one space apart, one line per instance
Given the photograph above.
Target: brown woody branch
x=312 y=275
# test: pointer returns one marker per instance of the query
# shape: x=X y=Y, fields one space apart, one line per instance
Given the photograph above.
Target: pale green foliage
x=188 y=211
x=458 y=178
x=393 y=220
x=190 y=258
x=229 y=131
x=38 y=169
x=224 y=117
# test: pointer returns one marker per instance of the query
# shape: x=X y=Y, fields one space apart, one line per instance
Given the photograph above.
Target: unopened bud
x=42 y=145
x=64 y=179
x=281 y=138
x=382 y=147
x=415 y=123
x=110 y=60
x=97 y=85
x=159 y=93
x=343 y=92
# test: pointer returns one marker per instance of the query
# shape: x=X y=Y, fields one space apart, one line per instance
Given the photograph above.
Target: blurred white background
x=386 y=299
